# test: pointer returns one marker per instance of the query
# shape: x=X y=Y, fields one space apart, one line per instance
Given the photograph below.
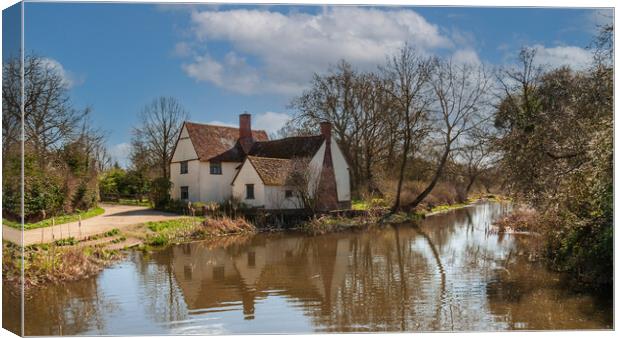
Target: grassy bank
x=192 y=228
x=53 y=263
x=62 y=219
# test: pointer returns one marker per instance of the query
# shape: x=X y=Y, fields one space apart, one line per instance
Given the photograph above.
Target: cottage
x=216 y=163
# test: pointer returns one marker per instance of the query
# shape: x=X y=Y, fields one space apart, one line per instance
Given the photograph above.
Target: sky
x=222 y=60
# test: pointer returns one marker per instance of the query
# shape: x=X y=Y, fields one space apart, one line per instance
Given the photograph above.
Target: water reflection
x=447 y=273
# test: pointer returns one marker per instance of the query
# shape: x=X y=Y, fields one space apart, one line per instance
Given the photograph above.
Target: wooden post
x=80 y=226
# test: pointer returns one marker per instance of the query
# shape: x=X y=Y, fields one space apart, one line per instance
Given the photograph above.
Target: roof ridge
x=220 y=126
x=290 y=137
x=269 y=158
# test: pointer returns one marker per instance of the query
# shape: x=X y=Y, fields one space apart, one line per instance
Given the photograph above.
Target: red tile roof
x=221 y=144
x=210 y=141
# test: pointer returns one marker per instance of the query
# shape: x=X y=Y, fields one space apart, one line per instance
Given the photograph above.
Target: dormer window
x=215 y=168
x=183 y=167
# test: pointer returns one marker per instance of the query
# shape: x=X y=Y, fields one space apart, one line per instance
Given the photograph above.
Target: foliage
x=66 y=241
x=557 y=145
x=159 y=194
x=117 y=182
x=62 y=152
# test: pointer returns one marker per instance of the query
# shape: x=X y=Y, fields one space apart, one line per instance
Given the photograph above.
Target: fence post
x=80 y=226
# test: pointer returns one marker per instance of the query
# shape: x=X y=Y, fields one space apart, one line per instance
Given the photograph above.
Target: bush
x=83 y=198
x=522 y=219
x=227 y=225
x=160 y=192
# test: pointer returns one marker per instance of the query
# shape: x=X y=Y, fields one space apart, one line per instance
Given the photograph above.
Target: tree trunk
x=401 y=177
x=436 y=176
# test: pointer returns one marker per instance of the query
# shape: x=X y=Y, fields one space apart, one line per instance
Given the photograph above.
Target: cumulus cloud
x=68 y=77
x=287 y=48
x=182 y=49
x=120 y=153
x=270 y=122
x=576 y=57
x=466 y=56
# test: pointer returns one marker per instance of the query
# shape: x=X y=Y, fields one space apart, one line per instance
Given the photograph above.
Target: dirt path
x=115 y=216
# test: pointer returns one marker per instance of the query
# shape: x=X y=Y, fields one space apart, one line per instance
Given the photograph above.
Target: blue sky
x=222 y=60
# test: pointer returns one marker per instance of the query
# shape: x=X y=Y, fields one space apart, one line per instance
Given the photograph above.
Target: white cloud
x=182 y=49
x=120 y=153
x=466 y=56
x=68 y=77
x=270 y=122
x=287 y=48
x=576 y=57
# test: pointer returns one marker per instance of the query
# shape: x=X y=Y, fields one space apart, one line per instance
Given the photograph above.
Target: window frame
x=215 y=168
x=184 y=165
x=247 y=192
x=288 y=193
x=186 y=192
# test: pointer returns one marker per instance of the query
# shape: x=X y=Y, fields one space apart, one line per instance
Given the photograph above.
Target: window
x=215 y=168
x=184 y=167
x=184 y=193
x=288 y=193
x=249 y=191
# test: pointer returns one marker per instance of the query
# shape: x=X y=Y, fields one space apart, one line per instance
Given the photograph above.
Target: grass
x=52 y=263
x=366 y=204
x=57 y=220
x=448 y=207
x=189 y=228
x=125 y=201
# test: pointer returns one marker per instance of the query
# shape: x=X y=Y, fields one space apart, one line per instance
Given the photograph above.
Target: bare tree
x=160 y=125
x=407 y=74
x=459 y=91
x=303 y=178
x=49 y=117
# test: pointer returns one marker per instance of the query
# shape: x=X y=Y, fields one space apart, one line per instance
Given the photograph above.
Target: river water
x=448 y=273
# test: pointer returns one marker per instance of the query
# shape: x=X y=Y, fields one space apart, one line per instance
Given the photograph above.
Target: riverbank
x=69 y=259
x=377 y=214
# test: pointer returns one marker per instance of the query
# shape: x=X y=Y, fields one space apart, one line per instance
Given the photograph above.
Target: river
x=448 y=273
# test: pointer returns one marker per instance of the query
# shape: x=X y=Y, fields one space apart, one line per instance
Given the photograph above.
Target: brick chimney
x=245 y=132
x=326 y=131
x=327 y=189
